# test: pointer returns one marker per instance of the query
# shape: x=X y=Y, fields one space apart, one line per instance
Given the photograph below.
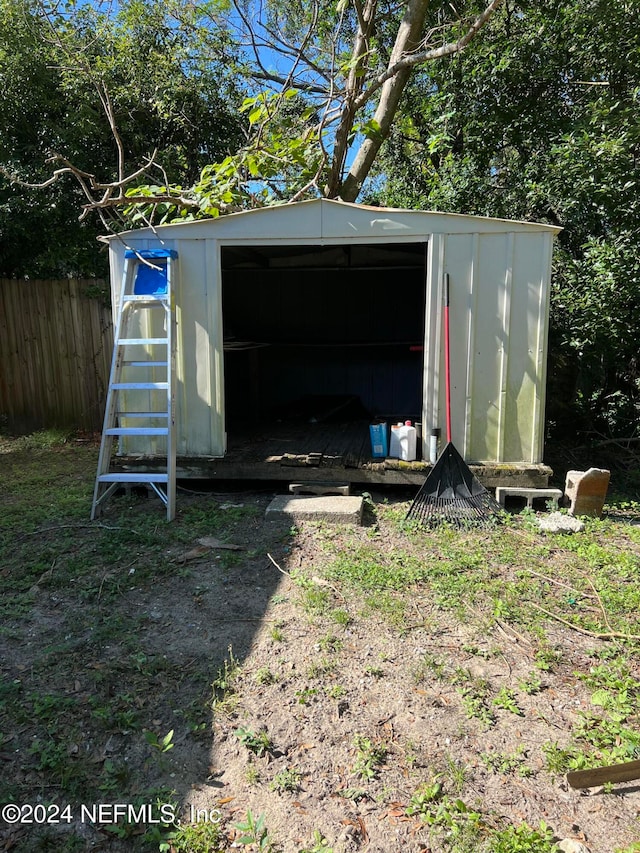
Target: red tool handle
x=447 y=360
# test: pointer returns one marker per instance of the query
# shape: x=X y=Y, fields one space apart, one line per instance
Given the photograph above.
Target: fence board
x=56 y=339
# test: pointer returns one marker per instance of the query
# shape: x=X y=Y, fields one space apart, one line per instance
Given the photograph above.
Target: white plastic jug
x=403 y=442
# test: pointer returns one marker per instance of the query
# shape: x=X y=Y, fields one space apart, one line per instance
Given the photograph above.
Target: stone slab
x=320 y=488
x=340 y=509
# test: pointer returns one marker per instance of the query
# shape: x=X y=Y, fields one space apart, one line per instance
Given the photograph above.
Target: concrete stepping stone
x=336 y=508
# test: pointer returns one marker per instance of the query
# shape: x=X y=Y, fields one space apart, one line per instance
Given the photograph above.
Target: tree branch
x=392 y=82
x=419 y=58
x=354 y=84
x=600 y=635
x=167 y=198
x=270 y=77
x=275 y=43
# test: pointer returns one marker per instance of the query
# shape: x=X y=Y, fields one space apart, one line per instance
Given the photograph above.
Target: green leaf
x=601 y=698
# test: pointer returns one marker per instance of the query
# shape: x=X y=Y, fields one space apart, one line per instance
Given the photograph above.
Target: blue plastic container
x=379 y=440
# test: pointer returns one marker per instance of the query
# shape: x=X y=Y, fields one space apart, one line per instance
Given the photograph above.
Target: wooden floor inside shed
x=331 y=445
x=326 y=452
x=309 y=452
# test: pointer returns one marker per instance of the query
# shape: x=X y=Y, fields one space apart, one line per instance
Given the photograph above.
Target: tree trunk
x=408 y=39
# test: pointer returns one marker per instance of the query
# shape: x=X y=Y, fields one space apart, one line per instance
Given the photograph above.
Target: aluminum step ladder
x=140 y=405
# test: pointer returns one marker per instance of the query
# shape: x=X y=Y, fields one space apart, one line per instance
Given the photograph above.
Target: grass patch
x=501 y=574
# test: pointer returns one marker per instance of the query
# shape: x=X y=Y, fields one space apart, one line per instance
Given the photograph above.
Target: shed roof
x=330 y=220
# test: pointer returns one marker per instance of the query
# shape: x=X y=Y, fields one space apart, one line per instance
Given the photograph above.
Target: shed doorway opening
x=320 y=341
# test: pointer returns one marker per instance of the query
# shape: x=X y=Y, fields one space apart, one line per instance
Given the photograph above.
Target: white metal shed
x=323 y=312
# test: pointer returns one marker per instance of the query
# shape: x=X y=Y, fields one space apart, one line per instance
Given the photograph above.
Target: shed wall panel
x=458 y=263
x=527 y=313
x=199 y=358
x=433 y=370
x=199 y=363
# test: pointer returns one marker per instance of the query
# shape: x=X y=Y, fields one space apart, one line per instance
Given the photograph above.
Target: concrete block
x=587 y=490
x=339 y=509
x=320 y=489
x=503 y=492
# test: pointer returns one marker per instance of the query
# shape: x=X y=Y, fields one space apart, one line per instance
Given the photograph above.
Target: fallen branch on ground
x=600 y=635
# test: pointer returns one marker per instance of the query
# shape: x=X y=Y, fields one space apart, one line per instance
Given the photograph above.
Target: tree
x=540 y=120
x=324 y=81
x=98 y=95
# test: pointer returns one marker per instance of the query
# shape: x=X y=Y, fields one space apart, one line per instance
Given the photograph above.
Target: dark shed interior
x=323 y=333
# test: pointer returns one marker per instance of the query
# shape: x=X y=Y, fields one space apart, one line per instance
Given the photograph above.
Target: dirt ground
x=360 y=699
x=388 y=696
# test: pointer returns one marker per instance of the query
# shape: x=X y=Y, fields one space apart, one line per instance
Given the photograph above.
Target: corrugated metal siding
x=199 y=362
x=498 y=315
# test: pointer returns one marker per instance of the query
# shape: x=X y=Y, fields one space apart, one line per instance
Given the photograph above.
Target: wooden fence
x=56 y=339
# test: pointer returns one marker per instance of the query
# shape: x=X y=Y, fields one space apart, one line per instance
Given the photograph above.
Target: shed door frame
x=429 y=302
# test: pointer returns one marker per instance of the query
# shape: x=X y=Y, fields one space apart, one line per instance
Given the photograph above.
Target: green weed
x=320 y=668
x=369 y=757
x=507 y=763
x=374 y=671
x=353 y=794
x=522 y=839
x=531 y=684
x=252 y=774
x=547 y=659
x=330 y=643
x=364 y=568
x=455 y=772
x=257 y=742
x=223 y=685
x=318 y=844
x=423 y=798
x=264 y=676
x=389 y=605
x=558 y=760
x=114 y=776
x=305 y=695
x=506 y=700
x=163 y=744
x=428 y=669
x=254 y=833
x=277 y=634
x=340 y=617
x=451 y=818
x=606 y=733
x=201 y=837
x=464 y=830
x=316 y=601
x=286 y=780
x=474 y=697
